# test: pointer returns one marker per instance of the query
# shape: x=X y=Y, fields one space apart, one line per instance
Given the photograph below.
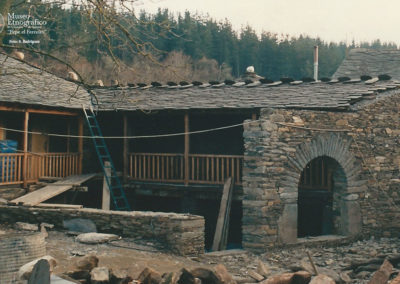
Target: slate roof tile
x=372 y=62
x=25 y=84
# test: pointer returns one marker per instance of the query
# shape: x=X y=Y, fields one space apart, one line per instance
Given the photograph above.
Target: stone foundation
x=182 y=234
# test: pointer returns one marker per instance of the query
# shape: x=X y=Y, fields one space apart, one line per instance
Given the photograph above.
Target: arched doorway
x=321 y=182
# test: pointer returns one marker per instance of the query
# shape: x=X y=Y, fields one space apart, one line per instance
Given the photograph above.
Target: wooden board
x=54 y=205
x=51 y=190
x=221 y=230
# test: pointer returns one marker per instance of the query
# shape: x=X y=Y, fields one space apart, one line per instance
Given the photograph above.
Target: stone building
x=317 y=158
x=307 y=158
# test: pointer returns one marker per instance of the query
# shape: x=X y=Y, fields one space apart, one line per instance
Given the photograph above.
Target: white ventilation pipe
x=316 y=63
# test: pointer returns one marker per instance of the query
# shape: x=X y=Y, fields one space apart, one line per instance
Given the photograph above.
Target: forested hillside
x=189 y=46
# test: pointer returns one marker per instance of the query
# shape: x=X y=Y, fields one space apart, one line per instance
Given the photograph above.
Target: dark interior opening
x=315 y=200
x=208 y=208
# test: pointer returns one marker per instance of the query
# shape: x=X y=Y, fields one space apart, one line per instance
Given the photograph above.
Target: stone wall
x=183 y=234
x=365 y=143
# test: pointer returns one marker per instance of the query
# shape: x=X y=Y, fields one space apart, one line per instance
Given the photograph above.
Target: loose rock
x=322 y=279
x=96 y=238
x=26 y=226
x=149 y=276
x=100 y=275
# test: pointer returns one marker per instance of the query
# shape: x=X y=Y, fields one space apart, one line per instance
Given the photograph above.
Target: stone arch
x=336 y=147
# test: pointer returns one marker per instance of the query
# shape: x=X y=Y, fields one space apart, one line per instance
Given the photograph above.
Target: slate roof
x=25 y=84
x=370 y=62
x=320 y=95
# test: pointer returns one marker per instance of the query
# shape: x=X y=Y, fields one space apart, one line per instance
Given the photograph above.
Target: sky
x=331 y=20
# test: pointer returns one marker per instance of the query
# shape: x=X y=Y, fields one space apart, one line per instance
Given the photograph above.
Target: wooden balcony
x=195 y=169
x=37 y=166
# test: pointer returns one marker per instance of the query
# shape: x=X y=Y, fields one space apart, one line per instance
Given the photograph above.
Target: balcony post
x=125 y=147
x=80 y=144
x=187 y=145
x=25 y=148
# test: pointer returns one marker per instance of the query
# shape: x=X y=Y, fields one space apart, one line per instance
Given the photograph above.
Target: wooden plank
x=221 y=230
x=55 y=205
x=105 y=202
x=187 y=145
x=52 y=190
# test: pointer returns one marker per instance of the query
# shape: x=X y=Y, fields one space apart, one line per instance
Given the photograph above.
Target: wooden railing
x=59 y=164
x=11 y=168
x=156 y=167
x=38 y=165
x=202 y=168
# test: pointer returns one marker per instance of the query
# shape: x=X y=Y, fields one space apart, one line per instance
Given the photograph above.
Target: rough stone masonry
x=182 y=234
x=364 y=142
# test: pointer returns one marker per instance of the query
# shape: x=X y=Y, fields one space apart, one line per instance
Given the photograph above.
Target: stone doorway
x=317 y=191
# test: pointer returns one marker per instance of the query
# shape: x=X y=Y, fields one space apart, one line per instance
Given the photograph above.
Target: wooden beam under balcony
x=40 y=111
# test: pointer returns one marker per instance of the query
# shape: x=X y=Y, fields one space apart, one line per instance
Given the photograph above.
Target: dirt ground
x=346 y=262
x=122 y=255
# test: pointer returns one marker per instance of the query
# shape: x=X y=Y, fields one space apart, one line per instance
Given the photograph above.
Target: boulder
x=80 y=225
x=3 y=201
x=285 y=278
x=322 y=279
x=96 y=238
x=149 y=276
x=100 y=275
x=206 y=275
x=82 y=275
x=382 y=275
x=119 y=277
x=26 y=270
x=170 y=278
x=87 y=262
x=186 y=277
x=301 y=277
x=26 y=226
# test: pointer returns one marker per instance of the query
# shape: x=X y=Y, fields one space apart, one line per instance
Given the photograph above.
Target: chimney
x=316 y=63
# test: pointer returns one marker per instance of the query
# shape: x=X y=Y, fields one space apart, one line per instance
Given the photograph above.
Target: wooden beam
x=40 y=111
x=25 y=149
x=125 y=147
x=105 y=203
x=187 y=145
x=80 y=143
x=254 y=116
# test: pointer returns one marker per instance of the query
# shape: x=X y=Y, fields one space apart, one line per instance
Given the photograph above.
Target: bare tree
x=110 y=26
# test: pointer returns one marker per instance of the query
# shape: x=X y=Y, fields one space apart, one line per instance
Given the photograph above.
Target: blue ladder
x=113 y=182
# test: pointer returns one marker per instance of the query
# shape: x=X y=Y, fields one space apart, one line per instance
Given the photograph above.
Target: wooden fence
x=202 y=168
x=38 y=165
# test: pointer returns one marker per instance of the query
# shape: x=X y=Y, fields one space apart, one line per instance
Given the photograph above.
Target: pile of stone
x=87 y=272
